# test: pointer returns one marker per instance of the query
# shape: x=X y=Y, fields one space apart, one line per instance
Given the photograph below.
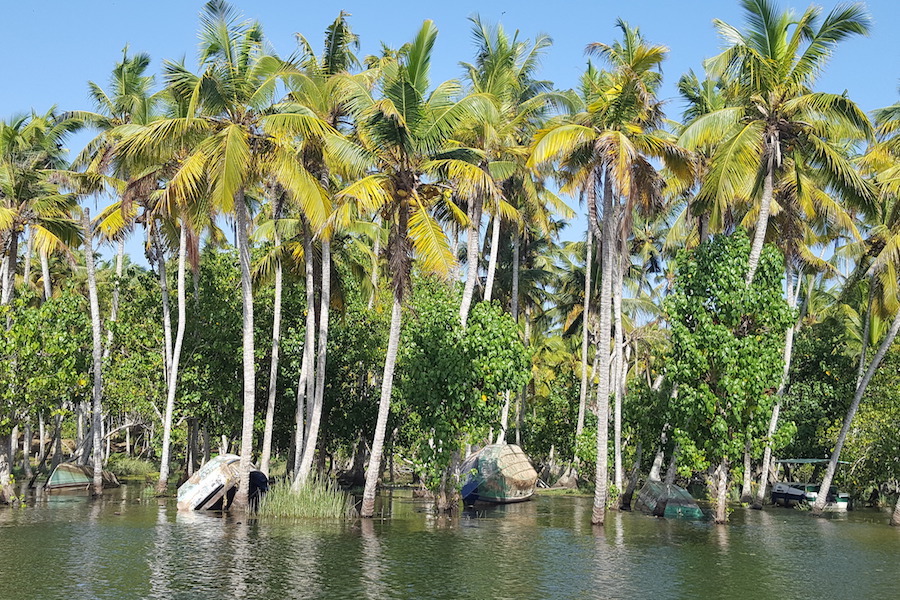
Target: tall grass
x=131 y=467
x=316 y=500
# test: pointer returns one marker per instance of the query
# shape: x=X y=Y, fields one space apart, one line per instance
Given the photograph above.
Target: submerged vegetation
x=356 y=274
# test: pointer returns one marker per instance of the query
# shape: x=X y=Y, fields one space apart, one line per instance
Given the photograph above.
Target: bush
x=316 y=500
x=128 y=466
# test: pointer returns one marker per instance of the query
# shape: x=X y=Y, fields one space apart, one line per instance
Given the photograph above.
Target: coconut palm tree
x=610 y=143
x=775 y=114
x=238 y=137
x=406 y=129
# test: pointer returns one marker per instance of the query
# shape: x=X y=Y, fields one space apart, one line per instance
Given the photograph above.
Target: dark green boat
x=668 y=500
x=69 y=476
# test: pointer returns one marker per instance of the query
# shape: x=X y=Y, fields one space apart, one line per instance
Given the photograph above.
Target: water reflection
x=142 y=548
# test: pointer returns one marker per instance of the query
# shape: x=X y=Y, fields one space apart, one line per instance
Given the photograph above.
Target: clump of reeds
x=317 y=499
x=131 y=467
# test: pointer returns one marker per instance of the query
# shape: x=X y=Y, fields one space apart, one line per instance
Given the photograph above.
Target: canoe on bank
x=69 y=476
x=214 y=485
x=498 y=473
x=667 y=500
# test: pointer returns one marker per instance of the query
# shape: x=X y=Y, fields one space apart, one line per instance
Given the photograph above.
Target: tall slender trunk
x=628 y=494
x=672 y=469
x=619 y=364
x=114 y=304
x=747 y=484
x=241 y=499
x=167 y=311
x=782 y=388
x=97 y=351
x=306 y=384
x=472 y=260
x=376 y=261
x=585 y=323
x=45 y=274
x=722 y=493
x=384 y=407
x=26 y=265
x=9 y=280
x=759 y=236
x=492 y=262
x=163 y=481
x=895 y=516
x=819 y=506
x=606 y=265
x=273 y=367
x=504 y=418
x=41 y=432
x=867 y=325
x=312 y=437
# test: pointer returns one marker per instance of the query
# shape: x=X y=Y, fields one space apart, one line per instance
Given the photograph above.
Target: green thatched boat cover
x=670 y=501
x=498 y=473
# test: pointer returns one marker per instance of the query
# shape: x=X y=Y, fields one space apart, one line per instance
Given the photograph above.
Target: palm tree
x=774 y=115
x=238 y=138
x=611 y=142
x=406 y=130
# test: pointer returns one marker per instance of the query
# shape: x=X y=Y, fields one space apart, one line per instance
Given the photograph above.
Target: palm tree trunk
x=472 y=260
x=273 y=368
x=167 y=311
x=585 y=324
x=747 y=484
x=722 y=493
x=45 y=275
x=782 y=388
x=306 y=384
x=26 y=268
x=504 y=419
x=895 y=516
x=759 y=236
x=312 y=436
x=618 y=367
x=10 y=279
x=241 y=500
x=384 y=407
x=163 y=481
x=97 y=351
x=819 y=506
x=376 y=264
x=607 y=264
x=114 y=304
x=867 y=324
x=492 y=262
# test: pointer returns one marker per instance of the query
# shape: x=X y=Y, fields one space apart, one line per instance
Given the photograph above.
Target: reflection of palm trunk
x=384 y=406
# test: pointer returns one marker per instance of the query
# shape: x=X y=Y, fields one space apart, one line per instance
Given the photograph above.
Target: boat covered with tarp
x=667 y=500
x=214 y=485
x=789 y=492
x=69 y=476
x=499 y=473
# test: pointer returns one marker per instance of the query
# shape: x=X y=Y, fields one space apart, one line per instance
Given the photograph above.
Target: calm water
x=545 y=548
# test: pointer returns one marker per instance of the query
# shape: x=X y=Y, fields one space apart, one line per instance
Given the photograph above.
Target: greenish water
x=124 y=547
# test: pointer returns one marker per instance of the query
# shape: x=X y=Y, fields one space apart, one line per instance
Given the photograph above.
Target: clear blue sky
x=51 y=49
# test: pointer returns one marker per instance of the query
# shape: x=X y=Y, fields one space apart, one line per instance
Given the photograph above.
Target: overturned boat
x=667 y=500
x=69 y=476
x=499 y=473
x=215 y=484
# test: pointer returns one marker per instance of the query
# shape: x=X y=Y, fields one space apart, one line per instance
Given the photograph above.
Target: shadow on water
x=128 y=544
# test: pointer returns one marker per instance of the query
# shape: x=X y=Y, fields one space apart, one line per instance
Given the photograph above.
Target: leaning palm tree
x=406 y=130
x=238 y=137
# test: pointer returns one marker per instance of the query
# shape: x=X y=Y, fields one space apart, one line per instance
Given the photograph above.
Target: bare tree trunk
x=167 y=312
x=472 y=260
x=241 y=499
x=26 y=265
x=306 y=384
x=97 y=351
x=376 y=264
x=656 y=467
x=6 y=488
x=618 y=366
x=6 y=295
x=722 y=493
x=504 y=419
x=26 y=454
x=672 y=470
x=492 y=262
x=163 y=481
x=759 y=236
x=607 y=264
x=41 y=432
x=625 y=498
x=114 y=304
x=312 y=437
x=746 y=485
x=895 y=516
x=867 y=324
x=273 y=368
x=45 y=275
x=585 y=322
x=779 y=394
x=384 y=406
x=819 y=506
